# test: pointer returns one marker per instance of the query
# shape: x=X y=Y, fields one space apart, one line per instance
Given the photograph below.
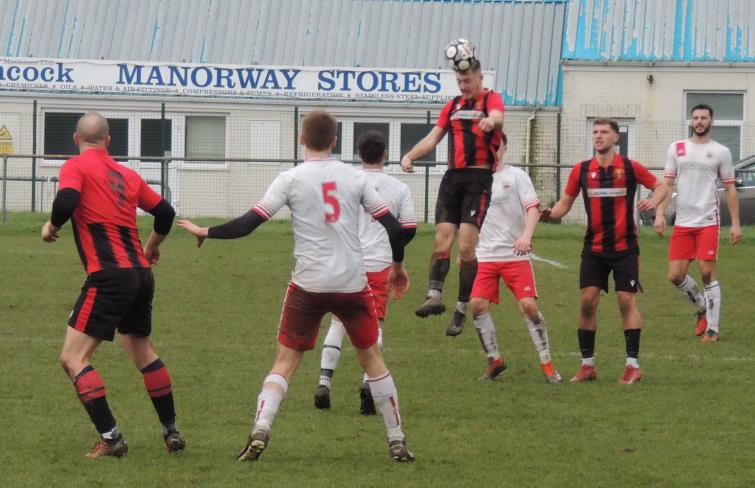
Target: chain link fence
x=217 y=162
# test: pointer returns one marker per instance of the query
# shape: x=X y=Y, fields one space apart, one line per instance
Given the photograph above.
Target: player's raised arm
x=422 y=148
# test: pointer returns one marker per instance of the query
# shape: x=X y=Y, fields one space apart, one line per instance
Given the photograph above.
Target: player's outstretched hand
x=398 y=281
x=406 y=165
x=49 y=232
x=735 y=234
x=199 y=232
x=545 y=215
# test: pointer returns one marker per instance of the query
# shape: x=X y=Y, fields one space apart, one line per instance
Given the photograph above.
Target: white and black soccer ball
x=461 y=55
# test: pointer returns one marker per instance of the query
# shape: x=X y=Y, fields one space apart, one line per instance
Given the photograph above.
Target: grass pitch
x=688 y=423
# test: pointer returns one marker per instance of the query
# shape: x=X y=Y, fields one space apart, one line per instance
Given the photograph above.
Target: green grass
x=688 y=423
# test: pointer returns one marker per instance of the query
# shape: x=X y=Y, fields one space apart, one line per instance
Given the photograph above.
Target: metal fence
x=217 y=161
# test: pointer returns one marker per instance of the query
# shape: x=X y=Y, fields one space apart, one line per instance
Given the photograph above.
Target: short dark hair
x=702 y=106
x=371 y=147
x=606 y=121
x=319 y=130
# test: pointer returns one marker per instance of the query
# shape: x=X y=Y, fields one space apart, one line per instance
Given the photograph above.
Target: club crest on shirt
x=506 y=184
x=681 y=149
x=619 y=173
x=478 y=105
x=708 y=154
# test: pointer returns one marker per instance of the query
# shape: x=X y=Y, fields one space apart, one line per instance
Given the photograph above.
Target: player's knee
x=479 y=306
x=71 y=363
x=466 y=251
x=707 y=275
x=588 y=306
x=529 y=308
x=675 y=277
x=626 y=303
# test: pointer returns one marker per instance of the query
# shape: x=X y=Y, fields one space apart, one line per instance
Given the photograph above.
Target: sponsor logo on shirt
x=468 y=115
x=606 y=192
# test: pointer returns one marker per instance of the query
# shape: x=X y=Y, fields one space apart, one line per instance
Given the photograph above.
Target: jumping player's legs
x=440 y=263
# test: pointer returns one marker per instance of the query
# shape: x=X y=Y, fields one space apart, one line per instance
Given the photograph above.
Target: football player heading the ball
x=608 y=182
x=474 y=123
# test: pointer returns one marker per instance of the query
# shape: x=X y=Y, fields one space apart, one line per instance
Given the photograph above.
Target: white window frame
x=200 y=166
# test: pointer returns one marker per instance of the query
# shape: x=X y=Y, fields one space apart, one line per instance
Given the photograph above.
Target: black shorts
x=595 y=268
x=464 y=196
x=115 y=299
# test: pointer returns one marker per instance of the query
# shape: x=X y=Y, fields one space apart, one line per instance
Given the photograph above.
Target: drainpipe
x=528 y=142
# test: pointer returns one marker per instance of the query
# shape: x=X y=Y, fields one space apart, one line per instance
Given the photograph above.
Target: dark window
x=411 y=134
x=151 y=143
x=362 y=127
x=59 y=129
x=118 y=138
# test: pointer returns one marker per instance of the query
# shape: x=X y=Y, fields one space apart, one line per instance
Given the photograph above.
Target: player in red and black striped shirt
x=608 y=183
x=474 y=123
x=100 y=196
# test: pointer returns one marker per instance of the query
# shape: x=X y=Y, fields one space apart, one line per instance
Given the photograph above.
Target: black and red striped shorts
x=115 y=299
x=464 y=196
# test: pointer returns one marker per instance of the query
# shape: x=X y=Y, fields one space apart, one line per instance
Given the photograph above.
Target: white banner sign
x=202 y=80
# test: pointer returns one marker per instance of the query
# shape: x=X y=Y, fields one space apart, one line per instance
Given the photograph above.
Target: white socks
x=269 y=400
x=633 y=362
x=690 y=290
x=539 y=335
x=588 y=361
x=713 y=304
x=486 y=333
x=331 y=351
x=386 y=400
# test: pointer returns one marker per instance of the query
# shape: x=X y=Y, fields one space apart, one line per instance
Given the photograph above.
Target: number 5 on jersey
x=327 y=197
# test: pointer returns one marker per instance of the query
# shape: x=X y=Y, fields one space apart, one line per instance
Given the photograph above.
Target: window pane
x=150 y=144
x=205 y=137
x=362 y=127
x=726 y=106
x=728 y=136
x=118 y=138
x=59 y=129
x=411 y=134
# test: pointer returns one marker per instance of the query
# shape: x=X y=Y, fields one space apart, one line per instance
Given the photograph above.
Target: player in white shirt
x=504 y=253
x=696 y=164
x=325 y=197
x=376 y=250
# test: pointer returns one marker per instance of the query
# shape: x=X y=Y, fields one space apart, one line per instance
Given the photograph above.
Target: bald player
x=100 y=198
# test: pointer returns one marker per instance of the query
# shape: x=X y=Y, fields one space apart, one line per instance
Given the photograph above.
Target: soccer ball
x=461 y=56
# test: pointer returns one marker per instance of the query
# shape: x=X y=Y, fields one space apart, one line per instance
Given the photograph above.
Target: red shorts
x=378 y=281
x=694 y=243
x=303 y=311
x=517 y=275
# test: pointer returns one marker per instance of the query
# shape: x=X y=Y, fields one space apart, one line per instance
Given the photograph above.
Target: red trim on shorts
x=482 y=209
x=85 y=310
